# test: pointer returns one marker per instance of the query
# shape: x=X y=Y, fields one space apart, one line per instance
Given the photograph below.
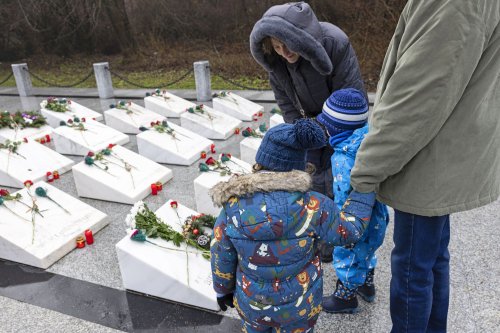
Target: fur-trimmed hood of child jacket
x=265 y=245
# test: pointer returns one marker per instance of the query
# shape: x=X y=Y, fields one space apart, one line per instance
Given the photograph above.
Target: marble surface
x=29 y=133
x=178 y=274
x=75 y=110
x=129 y=123
x=172 y=106
x=32 y=163
x=206 y=180
x=52 y=234
x=163 y=148
x=70 y=141
x=220 y=127
x=248 y=149
x=237 y=106
x=275 y=120
x=117 y=184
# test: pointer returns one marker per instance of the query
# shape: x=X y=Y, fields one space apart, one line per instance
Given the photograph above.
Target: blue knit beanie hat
x=284 y=146
x=344 y=110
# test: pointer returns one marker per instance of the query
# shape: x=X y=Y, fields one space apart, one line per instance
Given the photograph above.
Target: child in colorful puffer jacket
x=265 y=257
x=344 y=116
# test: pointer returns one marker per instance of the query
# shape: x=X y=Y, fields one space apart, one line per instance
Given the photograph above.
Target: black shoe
x=367 y=291
x=334 y=304
x=326 y=253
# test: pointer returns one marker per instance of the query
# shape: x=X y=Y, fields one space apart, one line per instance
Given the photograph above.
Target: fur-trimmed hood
x=296 y=25
x=245 y=185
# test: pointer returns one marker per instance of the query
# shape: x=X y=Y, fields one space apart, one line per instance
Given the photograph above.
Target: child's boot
x=343 y=300
x=367 y=290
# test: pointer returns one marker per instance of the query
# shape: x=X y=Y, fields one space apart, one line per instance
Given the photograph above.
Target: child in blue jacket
x=344 y=116
x=265 y=257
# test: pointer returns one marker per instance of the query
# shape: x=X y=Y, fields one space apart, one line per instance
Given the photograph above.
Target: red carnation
x=173 y=204
x=3 y=192
x=210 y=161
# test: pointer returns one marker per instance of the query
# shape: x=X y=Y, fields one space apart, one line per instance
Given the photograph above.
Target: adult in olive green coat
x=434 y=144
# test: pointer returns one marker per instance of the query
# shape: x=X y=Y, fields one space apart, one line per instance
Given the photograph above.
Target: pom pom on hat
x=284 y=146
x=344 y=110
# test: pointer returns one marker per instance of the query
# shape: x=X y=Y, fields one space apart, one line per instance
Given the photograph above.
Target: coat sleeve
x=336 y=228
x=224 y=258
x=435 y=53
x=288 y=109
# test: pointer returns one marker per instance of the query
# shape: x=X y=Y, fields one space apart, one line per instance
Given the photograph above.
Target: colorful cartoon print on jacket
x=265 y=245
x=352 y=264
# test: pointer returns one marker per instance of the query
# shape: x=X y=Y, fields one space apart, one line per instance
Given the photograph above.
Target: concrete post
x=23 y=79
x=103 y=80
x=202 y=80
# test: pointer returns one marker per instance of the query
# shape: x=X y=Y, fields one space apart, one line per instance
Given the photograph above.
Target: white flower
x=130 y=221
x=137 y=208
x=43 y=104
x=28 y=120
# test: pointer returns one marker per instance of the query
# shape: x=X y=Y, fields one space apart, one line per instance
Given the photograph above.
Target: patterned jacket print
x=352 y=264
x=265 y=244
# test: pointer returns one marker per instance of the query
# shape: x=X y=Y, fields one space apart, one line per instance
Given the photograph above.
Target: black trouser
x=322 y=179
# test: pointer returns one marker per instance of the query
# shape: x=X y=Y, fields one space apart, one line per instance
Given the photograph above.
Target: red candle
x=80 y=242
x=154 y=189
x=159 y=186
x=89 y=237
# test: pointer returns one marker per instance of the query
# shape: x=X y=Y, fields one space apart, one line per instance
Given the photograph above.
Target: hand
x=358 y=210
x=225 y=301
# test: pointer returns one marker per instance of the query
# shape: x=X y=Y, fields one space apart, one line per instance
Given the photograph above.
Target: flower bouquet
x=20 y=120
x=56 y=104
x=146 y=224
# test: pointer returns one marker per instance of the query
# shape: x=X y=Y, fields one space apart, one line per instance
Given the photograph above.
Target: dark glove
x=357 y=210
x=225 y=301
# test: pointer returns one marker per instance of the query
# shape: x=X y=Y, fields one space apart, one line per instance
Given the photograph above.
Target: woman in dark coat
x=307 y=60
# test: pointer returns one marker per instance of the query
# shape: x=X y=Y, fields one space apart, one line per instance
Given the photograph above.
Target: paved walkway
x=83 y=291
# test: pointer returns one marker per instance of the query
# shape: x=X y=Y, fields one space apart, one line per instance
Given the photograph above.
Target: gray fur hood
x=296 y=25
x=246 y=185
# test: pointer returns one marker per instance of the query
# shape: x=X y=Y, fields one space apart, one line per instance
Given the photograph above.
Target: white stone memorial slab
x=248 y=149
x=70 y=141
x=163 y=273
x=236 y=106
x=74 y=110
x=29 y=133
x=276 y=119
x=130 y=121
x=33 y=164
x=206 y=180
x=119 y=185
x=169 y=105
x=163 y=148
x=221 y=127
x=54 y=235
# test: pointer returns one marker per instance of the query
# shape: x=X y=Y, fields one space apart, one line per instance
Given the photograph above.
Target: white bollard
x=23 y=79
x=202 y=80
x=103 y=80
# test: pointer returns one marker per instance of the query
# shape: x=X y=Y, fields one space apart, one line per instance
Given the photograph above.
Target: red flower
x=25 y=140
x=83 y=119
x=111 y=145
x=90 y=154
x=47 y=137
x=28 y=183
x=70 y=121
x=3 y=192
x=228 y=155
x=203 y=154
x=196 y=232
x=212 y=148
x=135 y=232
x=152 y=124
x=210 y=161
x=236 y=131
x=173 y=204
